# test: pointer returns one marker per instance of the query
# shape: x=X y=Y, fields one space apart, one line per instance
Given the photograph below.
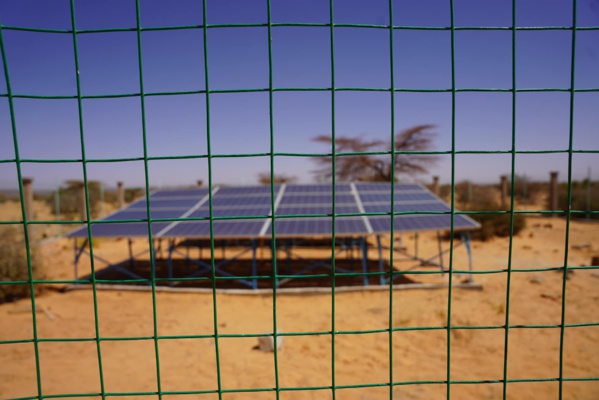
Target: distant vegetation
x=13 y=263
x=584 y=198
x=69 y=199
x=264 y=178
x=130 y=194
x=471 y=197
x=531 y=194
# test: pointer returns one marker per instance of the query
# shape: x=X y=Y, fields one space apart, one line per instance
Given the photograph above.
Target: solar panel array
x=301 y=210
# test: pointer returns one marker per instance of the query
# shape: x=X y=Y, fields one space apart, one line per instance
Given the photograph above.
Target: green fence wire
x=333 y=89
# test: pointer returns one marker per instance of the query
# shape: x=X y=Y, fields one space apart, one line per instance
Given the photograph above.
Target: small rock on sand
x=266 y=343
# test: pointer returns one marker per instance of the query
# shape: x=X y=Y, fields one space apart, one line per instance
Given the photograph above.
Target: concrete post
x=28 y=198
x=200 y=183
x=120 y=194
x=504 y=192
x=436 y=185
x=82 y=204
x=553 y=190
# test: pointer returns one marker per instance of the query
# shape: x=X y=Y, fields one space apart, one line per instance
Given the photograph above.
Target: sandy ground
x=190 y=364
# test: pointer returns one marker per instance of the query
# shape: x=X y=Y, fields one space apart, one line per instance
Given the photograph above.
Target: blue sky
x=43 y=64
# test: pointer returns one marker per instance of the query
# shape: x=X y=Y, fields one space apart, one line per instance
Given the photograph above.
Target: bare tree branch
x=378 y=167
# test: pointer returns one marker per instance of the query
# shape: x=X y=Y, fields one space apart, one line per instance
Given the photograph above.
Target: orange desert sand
x=306 y=361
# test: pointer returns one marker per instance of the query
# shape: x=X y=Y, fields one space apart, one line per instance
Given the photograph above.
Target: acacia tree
x=379 y=167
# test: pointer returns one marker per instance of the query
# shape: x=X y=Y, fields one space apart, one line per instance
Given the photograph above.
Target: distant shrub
x=492 y=224
x=13 y=263
x=2 y=198
x=468 y=194
x=69 y=199
x=133 y=194
x=580 y=199
x=526 y=190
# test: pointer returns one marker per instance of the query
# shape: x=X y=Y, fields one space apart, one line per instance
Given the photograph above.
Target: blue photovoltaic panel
x=290 y=200
x=241 y=201
x=143 y=214
x=304 y=199
x=407 y=207
x=410 y=223
x=323 y=188
x=204 y=212
x=316 y=209
x=319 y=226
x=178 y=202
x=368 y=197
x=377 y=187
x=242 y=228
x=246 y=191
x=117 y=229
x=198 y=193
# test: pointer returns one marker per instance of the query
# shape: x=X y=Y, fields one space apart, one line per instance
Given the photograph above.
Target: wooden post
x=200 y=183
x=82 y=204
x=28 y=198
x=553 y=190
x=120 y=194
x=504 y=192
x=436 y=185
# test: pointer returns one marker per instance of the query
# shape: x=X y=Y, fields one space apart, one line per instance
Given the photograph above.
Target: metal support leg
x=130 y=245
x=365 y=260
x=254 y=266
x=169 y=261
x=381 y=264
x=75 y=259
x=440 y=247
x=288 y=258
x=416 y=239
x=466 y=239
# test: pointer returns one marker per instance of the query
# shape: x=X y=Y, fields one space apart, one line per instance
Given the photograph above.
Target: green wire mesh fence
x=334 y=387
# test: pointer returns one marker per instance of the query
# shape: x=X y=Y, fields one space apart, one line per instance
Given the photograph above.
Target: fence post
x=82 y=204
x=524 y=190
x=436 y=185
x=57 y=203
x=553 y=190
x=28 y=198
x=588 y=195
x=120 y=194
x=102 y=200
x=504 y=192
x=470 y=193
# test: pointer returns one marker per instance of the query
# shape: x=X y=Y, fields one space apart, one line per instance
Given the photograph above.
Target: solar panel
x=243 y=228
x=199 y=192
x=407 y=207
x=256 y=201
x=385 y=197
x=413 y=223
x=121 y=229
x=316 y=209
x=143 y=215
x=317 y=188
x=306 y=198
x=319 y=226
x=204 y=212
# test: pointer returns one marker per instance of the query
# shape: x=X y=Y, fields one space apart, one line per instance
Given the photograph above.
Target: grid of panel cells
x=300 y=210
